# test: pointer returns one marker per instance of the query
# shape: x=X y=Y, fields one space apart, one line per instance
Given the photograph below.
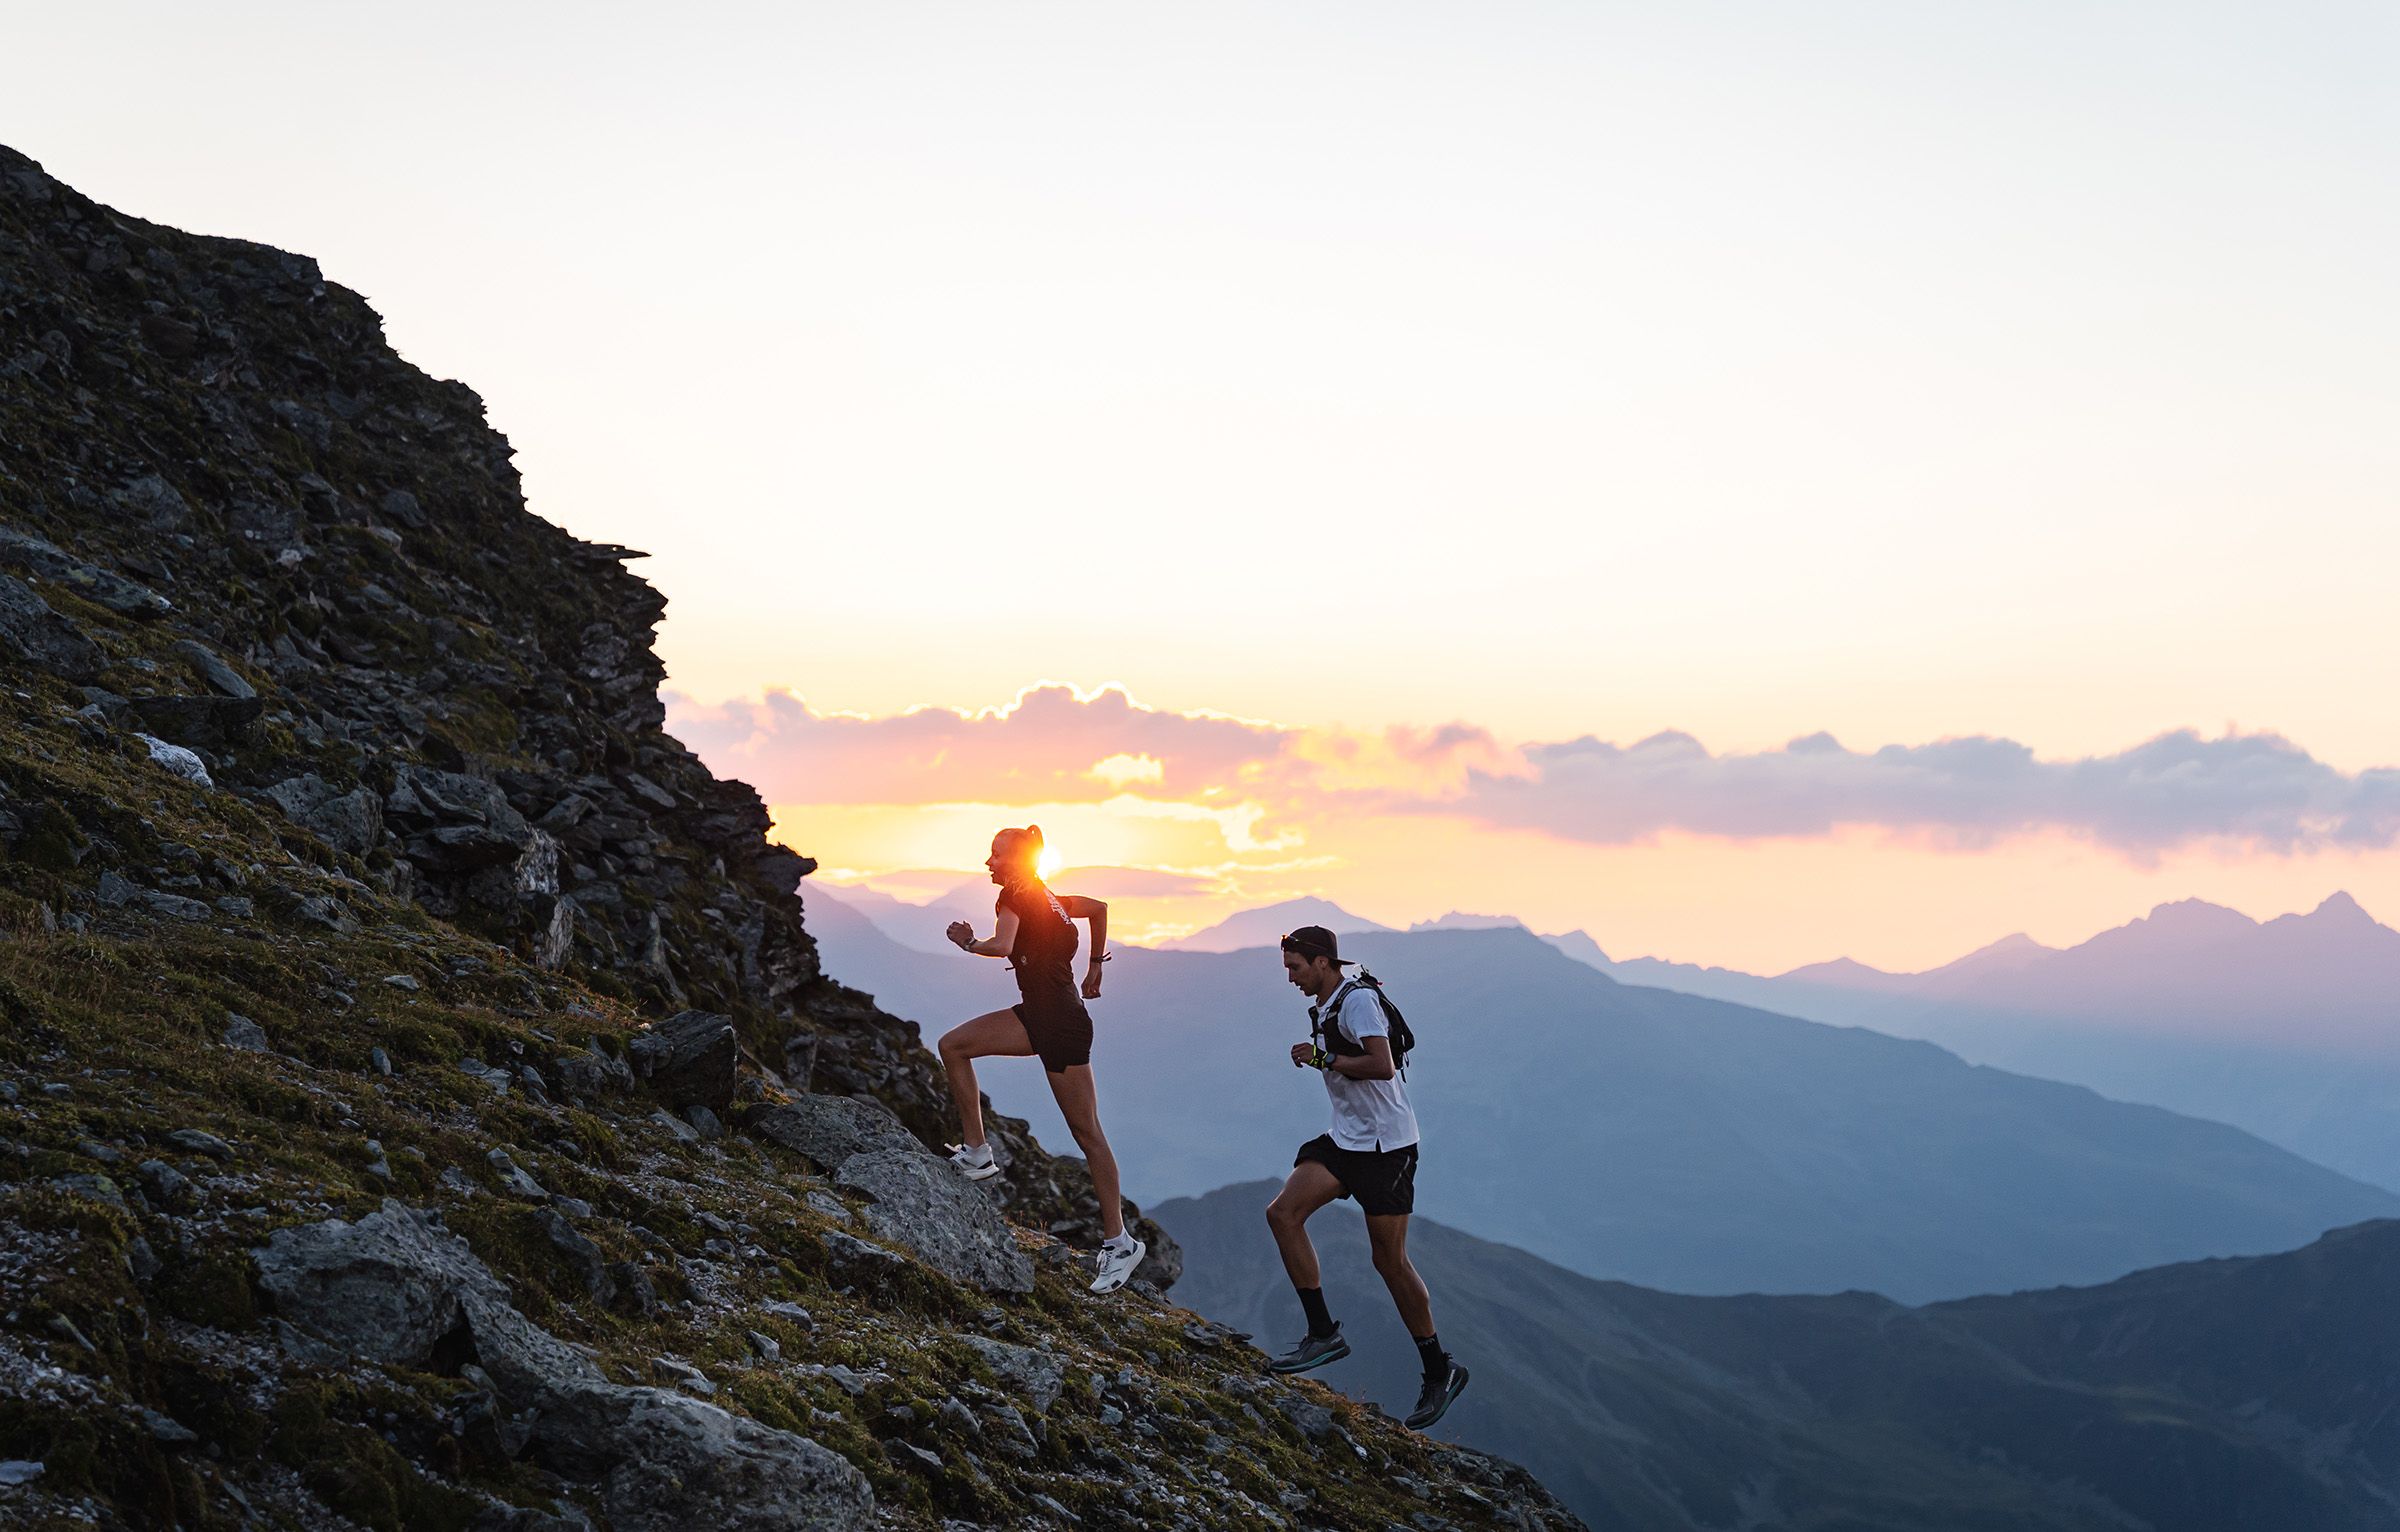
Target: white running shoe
x=1116 y=1265
x=977 y=1163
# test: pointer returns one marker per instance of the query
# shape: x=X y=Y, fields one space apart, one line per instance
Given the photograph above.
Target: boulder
x=670 y=1463
x=46 y=560
x=589 y=1075
x=1037 y=1375
x=211 y=667
x=925 y=1204
x=687 y=1059
x=455 y=823
x=393 y=1284
x=37 y=636
x=916 y=1199
x=830 y=1129
x=346 y=821
x=206 y=722
x=175 y=758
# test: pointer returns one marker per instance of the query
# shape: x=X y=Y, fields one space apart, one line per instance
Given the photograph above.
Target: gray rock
x=326 y=911
x=590 y=1267
x=924 y=1203
x=35 y=635
x=379 y=1061
x=389 y=1286
x=408 y=982
x=591 y=1075
x=176 y=759
x=683 y=1375
x=704 y=1122
x=668 y=1463
x=15 y=1471
x=457 y=823
x=918 y=1200
x=830 y=1129
x=243 y=1033
x=48 y=561
x=1313 y=1420
x=682 y=1132
x=1037 y=1375
x=166 y=1430
x=212 y=668
x=514 y=1179
x=687 y=1059
x=209 y=722
x=196 y=1141
x=765 y=1347
x=349 y=822
x=636 y=1294
x=172 y=906
x=153 y=500
x=854 y=1260
x=789 y=1312
x=98 y=1188
x=163 y=1184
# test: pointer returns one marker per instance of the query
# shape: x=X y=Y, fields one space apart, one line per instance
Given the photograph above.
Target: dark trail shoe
x=1435 y=1401
x=1313 y=1351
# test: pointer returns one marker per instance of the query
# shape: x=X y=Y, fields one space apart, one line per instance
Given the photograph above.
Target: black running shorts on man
x=1043 y=958
x=1383 y=1180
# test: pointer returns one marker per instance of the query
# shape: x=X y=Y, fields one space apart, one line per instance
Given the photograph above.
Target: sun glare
x=1046 y=866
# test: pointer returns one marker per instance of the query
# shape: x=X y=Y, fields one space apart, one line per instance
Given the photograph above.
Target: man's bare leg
x=1309 y=1187
x=1388 y=1235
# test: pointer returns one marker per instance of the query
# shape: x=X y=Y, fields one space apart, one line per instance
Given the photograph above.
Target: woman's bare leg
x=996 y=1034
x=1079 y=1103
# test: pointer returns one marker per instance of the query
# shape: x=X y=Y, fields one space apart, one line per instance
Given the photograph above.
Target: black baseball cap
x=1316 y=941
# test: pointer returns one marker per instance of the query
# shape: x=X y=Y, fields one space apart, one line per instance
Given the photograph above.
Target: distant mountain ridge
x=1269 y=923
x=2287 y=1027
x=2250 y=1395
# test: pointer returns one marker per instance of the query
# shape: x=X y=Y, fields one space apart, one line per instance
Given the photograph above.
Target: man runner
x=1371 y=1155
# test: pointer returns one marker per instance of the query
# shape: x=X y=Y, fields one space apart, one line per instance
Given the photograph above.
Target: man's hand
x=1091 y=982
x=1304 y=1054
x=962 y=934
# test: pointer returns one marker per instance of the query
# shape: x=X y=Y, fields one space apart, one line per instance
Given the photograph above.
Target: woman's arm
x=997 y=945
x=1095 y=911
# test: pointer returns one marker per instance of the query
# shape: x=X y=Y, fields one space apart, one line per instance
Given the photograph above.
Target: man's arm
x=1374 y=1064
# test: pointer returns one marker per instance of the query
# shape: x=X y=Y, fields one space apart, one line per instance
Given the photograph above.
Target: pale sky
x=1742 y=369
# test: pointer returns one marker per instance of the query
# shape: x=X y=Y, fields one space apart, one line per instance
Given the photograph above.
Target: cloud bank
x=1055 y=744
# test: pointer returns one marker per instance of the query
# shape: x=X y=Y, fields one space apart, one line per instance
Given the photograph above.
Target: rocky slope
x=421 y=1103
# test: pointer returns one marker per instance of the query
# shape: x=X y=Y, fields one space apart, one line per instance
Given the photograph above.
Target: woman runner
x=1036 y=934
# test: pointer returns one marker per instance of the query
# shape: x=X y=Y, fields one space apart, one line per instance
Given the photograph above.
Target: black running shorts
x=1061 y=1035
x=1383 y=1180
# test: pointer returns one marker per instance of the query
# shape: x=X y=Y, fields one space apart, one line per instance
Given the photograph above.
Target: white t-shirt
x=1368 y=1114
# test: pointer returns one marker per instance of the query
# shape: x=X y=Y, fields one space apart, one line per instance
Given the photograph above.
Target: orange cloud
x=1264 y=785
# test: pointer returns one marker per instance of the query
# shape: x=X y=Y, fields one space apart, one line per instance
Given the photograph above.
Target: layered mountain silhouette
x=2289 y=1028
x=1261 y=927
x=1654 y=1136
x=2245 y=1395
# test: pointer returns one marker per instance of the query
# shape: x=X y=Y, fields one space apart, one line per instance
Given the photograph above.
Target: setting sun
x=1048 y=863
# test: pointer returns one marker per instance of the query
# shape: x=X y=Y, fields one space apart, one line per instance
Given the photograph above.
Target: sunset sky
x=1754 y=481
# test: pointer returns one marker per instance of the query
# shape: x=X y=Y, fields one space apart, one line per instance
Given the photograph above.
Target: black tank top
x=1043 y=954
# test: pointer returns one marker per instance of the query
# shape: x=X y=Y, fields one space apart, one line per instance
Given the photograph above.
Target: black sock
x=1436 y=1360
x=1320 y=1320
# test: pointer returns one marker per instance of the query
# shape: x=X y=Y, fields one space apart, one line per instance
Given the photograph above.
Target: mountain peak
x=2340 y=908
x=1460 y=920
